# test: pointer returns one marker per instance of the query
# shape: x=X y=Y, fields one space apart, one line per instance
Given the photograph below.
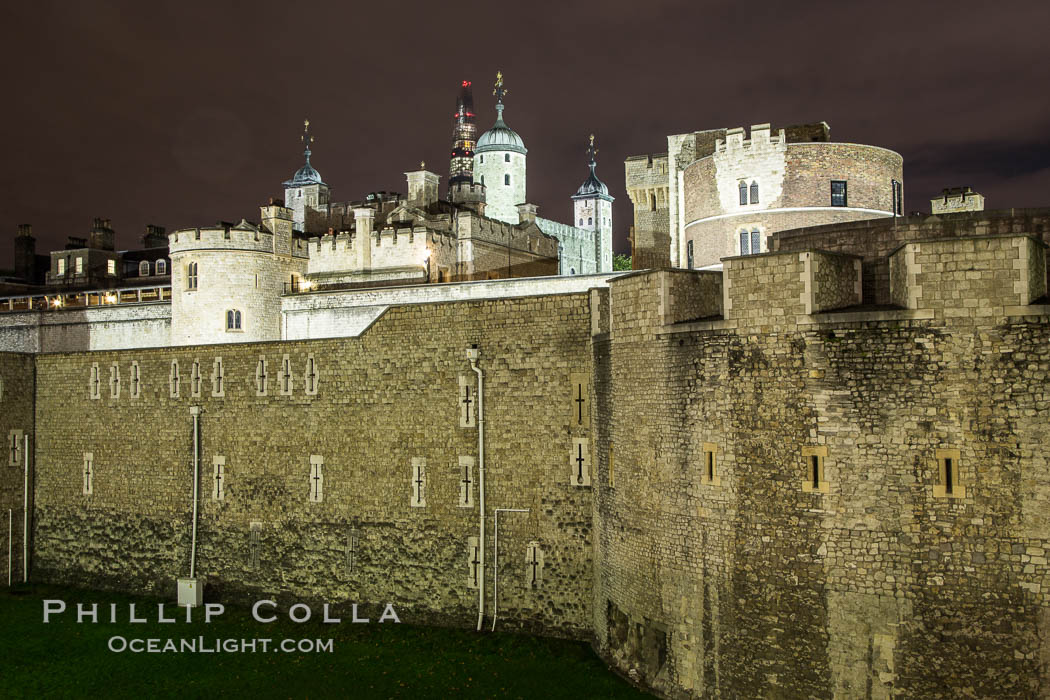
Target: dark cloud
x=183 y=113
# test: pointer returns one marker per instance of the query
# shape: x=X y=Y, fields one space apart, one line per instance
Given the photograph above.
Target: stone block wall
x=969 y=278
x=16 y=421
x=382 y=400
x=835 y=281
x=771 y=288
x=873 y=584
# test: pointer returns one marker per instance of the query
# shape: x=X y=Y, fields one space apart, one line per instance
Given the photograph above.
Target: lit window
x=80 y=266
x=743 y=192
x=61 y=266
x=111 y=267
x=743 y=242
x=506 y=179
x=191 y=276
x=143 y=269
x=754 y=192
x=838 y=193
x=233 y=320
x=162 y=267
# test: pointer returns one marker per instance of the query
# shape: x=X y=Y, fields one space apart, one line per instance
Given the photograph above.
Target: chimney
x=101 y=235
x=956 y=199
x=25 y=254
x=527 y=213
x=154 y=237
x=422 y=187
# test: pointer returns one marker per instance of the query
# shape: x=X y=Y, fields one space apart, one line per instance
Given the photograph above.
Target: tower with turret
x=592 y=211
x=306 y=190
x=499 y=164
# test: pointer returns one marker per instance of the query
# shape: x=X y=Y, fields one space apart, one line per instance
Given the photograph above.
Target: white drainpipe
x=472 y=355
x=195 y=411
x=25 y=513
x=495 y=558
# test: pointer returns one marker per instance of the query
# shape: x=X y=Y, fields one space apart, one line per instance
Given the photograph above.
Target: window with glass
x=838 y=193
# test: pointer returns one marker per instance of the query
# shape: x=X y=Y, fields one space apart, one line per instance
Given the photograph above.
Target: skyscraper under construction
x=464 y=137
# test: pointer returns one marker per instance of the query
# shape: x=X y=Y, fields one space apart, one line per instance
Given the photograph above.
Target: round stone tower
x=227 y=280
x=499 y=165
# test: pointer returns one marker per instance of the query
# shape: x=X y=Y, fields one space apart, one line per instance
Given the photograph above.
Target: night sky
x=182 y=114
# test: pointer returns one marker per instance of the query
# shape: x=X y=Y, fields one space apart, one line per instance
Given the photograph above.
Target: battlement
x=242 y=236
x=736 y=141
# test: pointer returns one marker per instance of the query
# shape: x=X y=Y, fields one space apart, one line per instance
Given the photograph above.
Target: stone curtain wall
x=16 y=416
x=836 y=281
x=382 y=400
x=753 y=585
x=876 y=239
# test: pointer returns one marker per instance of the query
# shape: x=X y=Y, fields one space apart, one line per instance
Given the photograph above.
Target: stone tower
x=499 y=165
x=306 y=190
x=227 y=280
x=592 y=211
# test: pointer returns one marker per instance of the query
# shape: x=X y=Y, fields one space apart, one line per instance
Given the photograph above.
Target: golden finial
x=306 y=137
x=422 y=165
x=591 y=150
x=499 y=91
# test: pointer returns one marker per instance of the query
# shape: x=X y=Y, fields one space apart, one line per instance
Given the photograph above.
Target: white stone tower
x=227 y=280
x=592 y=211
x=499 y=165
x=305 y=190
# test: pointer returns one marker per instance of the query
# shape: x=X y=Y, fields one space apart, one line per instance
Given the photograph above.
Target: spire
x=592 y=186
x=592 y=151
x=499 y=92
x=307 y=139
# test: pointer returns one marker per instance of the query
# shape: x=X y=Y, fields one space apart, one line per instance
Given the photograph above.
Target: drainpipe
x=25 y=513
x=195 y=411
x=495 y=558
x=10 y=540
x=472 y=355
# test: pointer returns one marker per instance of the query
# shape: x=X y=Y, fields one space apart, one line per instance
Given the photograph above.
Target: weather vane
x=306 y=137
x=500 y=91
x=591 y=150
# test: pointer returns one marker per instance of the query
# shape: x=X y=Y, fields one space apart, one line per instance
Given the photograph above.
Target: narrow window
x=506 y=179
x=14 y=450
x=95 y=382
x=482 y=179
x=144 y=269
x=466 y=481
x=114 y=381
x=218 y=479
x=310 y=377
x=838 y=193
x=754 y=192
x=135 y=387
x=197 y=234
x=756 y=242
x=581 y=221
x=482 y=160
x=897 y=197
x=506 y=157
x=742 y=188
x=260 y=377
x=590 y=221
x=949 y=485
x=419 y=483
x=689 y=254
x=195 y=379
x=743 y=242
x=237 y=320
x=652 y=202
x=226 y=233
x=89 y=473
x=1 y=388
x=814 y=481
x=173 y=380
x=710 y=465
x=111 y=267
x=533 y=564
x=316 y=479
x=286 y=375
x=162 y=267
x=61 y=266
x=473 y=562
x=191 y=276
x=80 y=266
x=218 y=384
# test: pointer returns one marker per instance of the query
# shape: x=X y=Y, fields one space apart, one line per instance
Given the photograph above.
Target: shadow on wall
x=639 y=647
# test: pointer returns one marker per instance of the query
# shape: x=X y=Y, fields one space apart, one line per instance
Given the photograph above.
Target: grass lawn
x=67 y=659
